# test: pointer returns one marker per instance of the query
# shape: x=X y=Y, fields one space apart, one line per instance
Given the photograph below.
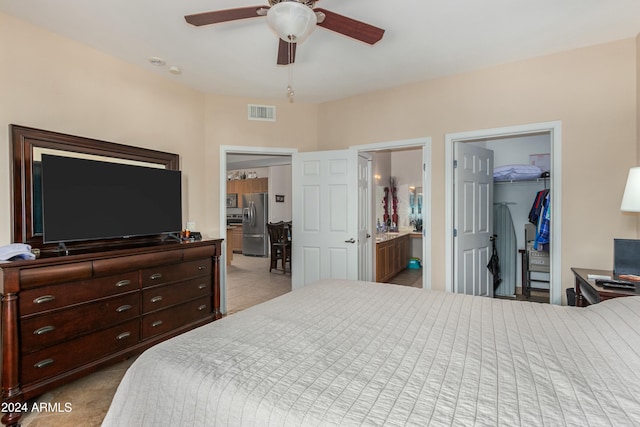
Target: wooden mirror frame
x=23 y=142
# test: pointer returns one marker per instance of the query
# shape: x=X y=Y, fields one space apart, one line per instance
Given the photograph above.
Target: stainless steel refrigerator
x=255 y=239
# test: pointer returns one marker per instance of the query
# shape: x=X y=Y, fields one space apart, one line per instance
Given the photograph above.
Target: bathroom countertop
x=383 y=237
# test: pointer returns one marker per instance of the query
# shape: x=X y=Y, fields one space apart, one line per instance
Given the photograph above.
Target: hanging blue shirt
x=544 y=224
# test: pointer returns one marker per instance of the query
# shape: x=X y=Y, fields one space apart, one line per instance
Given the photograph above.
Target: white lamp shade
x=292 y=21
x=631 y=198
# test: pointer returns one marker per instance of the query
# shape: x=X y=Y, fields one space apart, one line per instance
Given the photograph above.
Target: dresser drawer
x=57 y=296
x=30 y=278
x=110 y=266
x=71 y=354
x=199 y=252
x=163 y=321
x=172 y=273
x=41 y=331
x=160 y=297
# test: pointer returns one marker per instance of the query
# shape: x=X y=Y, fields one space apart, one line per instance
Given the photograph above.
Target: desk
x=587 y=292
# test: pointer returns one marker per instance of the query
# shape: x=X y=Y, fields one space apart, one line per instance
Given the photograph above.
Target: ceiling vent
x=266 y=113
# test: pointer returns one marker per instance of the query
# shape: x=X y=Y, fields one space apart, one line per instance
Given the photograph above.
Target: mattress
x=359 y=353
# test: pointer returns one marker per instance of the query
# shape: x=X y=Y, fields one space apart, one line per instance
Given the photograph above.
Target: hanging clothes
x=494 y=264
x=544 y=224
x=538 y=204
x=540 y=215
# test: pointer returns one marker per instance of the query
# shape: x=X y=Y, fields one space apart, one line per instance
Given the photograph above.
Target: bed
x=359 y=353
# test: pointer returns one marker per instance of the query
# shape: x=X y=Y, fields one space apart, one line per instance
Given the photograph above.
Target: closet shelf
x=523 y=181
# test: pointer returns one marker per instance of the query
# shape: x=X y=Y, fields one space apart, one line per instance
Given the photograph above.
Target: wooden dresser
x=64 y=317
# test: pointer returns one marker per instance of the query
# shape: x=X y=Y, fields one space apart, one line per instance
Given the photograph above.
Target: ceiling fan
x=293 y=21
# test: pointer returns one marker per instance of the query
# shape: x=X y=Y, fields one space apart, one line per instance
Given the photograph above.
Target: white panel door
x=325 y=206
x=473 y=219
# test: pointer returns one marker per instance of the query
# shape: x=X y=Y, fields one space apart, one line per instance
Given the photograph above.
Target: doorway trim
x=554 y=128
x=235 y=149
x=425 y=143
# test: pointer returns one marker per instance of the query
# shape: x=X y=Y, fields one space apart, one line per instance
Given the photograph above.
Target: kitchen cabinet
x=235 y=238
x=247 y=186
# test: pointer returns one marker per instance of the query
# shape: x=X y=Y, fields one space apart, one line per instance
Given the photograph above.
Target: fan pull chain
x=290 y=92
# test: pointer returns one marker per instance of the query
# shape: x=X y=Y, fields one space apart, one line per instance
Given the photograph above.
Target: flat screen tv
x=91 y=200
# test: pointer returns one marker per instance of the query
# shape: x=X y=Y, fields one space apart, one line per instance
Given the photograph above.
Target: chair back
x=278 y=232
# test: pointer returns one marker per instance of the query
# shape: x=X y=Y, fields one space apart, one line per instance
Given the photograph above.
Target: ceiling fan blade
x=217 y=16
x=286 y=52
x=350 y=27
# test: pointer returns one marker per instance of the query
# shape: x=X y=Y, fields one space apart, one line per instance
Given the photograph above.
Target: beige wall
x=638 y=115
x=226 y=124
x=50 y=82
x=591 y=91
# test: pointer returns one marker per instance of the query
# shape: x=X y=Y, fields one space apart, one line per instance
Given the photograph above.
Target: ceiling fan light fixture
x=291 y=20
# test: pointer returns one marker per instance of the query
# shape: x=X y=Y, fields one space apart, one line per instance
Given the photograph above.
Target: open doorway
x=412 y=211
x=549 y=132
x=259 y=177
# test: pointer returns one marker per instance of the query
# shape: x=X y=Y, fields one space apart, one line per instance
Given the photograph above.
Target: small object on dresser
x=630 y=277
x=16 y=251
x=616 y=284
x=597 y=276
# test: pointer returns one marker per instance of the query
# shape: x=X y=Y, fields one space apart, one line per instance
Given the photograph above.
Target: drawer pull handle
x=202 y=267
x=202 y=285
x=122 y=283
x=44 y=330
x=123 y=335
x=156 y=276
x=123 y=308
x=202 y=307
x=43 y=363
x=156 y=299
x=156 y=323
x=43 y=299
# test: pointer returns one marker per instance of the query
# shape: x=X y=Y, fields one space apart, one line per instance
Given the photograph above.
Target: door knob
x=368 y=236
x=351 y=240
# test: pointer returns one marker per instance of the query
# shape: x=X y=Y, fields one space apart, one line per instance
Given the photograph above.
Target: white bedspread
x=356 y=353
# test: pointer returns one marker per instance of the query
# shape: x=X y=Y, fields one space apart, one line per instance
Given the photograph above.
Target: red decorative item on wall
x=390 y=215
x=385 y=205
x=394 y=200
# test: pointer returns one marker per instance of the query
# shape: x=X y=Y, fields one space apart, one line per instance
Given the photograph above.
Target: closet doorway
x=513 y=196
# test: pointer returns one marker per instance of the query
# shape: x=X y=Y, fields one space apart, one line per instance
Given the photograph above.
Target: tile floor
x=249 y=282
x=408 y=277
x=89 y=398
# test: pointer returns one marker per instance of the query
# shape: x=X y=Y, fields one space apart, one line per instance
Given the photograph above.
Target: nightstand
x=587 y=292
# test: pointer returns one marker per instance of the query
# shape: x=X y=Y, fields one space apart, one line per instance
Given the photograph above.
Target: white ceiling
x=424 y=39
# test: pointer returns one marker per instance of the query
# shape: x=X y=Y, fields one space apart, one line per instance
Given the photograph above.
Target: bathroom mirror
x=415 y=208
x=415 y=200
